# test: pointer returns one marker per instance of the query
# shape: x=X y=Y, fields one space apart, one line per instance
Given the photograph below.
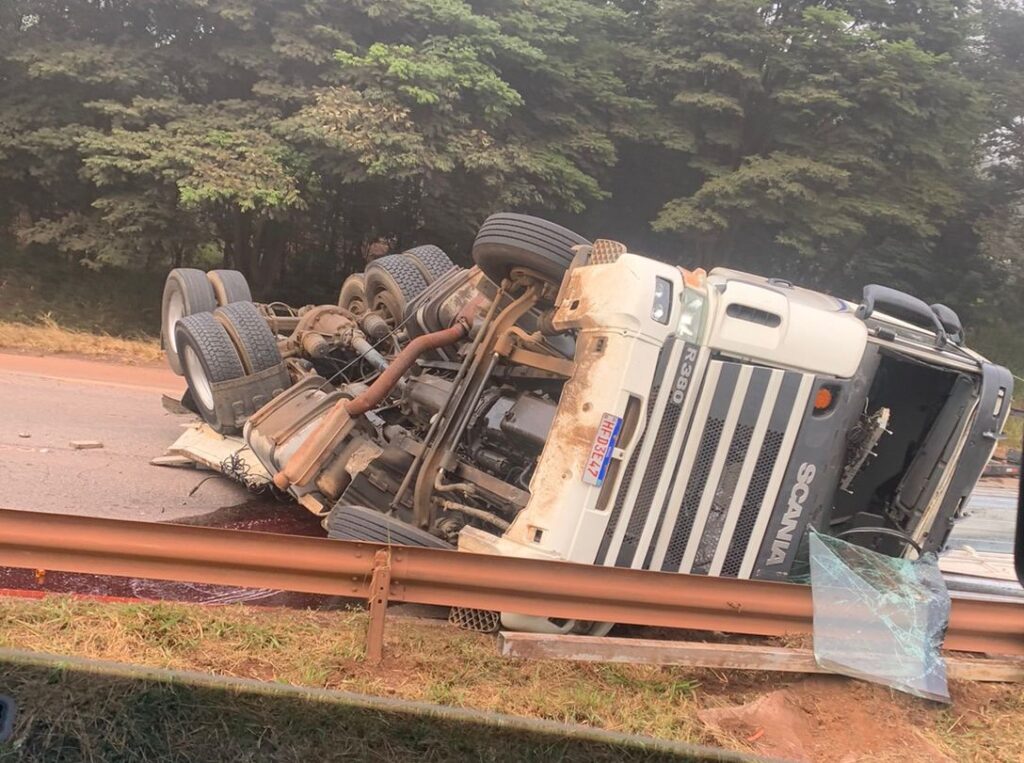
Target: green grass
x=1013 y=432
x=75 y=713
x=435 y=663
x=439 y=664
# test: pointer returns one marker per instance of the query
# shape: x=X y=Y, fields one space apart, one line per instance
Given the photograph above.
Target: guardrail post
x=380 y=584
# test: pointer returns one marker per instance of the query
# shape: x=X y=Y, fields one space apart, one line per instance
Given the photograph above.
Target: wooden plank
x=537 y=646
x=1008 y=671
x=178 y=461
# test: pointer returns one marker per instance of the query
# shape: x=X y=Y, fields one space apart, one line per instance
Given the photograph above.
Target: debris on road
x=86 y=444
x=179 y=461
x=996 y=468
x=24 y=435
x=202 y=447
x=982 y=565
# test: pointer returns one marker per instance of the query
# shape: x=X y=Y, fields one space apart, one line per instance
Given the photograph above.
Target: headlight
x=691 y=322
x=662 y=308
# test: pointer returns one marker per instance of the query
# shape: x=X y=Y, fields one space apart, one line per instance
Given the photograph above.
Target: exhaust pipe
x=306 y=462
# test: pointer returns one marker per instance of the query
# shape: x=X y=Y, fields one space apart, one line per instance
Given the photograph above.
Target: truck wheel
x=186 y=292
x=433 y=259
x=353 y=294
x=208 y=356
x=256 y=344
x=229 y=286
x=346 y=522
x=391 y=283
x=507 y=240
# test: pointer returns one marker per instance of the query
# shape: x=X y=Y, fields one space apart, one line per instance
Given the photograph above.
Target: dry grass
x=427 y=662
x=48 y=337
x=90 y=714
x=439 y=664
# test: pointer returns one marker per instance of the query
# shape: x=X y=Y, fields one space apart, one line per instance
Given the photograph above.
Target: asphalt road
x=989 y=521
x=55 y=400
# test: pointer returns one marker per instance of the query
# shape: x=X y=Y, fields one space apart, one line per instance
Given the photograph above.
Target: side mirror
x=951 y=322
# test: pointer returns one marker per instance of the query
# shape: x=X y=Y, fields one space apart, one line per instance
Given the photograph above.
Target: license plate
x=601 y=452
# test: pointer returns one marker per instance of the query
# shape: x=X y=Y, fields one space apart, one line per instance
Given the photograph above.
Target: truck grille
x=698 y=489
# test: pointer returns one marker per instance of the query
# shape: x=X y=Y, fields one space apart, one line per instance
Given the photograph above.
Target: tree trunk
x=242 y=244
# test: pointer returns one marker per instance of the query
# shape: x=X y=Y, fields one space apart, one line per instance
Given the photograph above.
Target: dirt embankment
x=49 y=338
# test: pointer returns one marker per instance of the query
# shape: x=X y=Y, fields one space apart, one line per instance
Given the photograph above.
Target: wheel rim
x=388 y=307
x=197 y=378
x=175 y=312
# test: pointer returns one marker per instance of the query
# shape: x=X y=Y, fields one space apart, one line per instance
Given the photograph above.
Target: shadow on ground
x=68 y=712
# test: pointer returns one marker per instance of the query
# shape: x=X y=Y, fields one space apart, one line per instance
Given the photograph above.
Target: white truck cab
x=703 y=433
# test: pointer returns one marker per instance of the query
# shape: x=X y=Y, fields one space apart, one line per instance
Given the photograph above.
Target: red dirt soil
x=838 y=720
x=158 y=378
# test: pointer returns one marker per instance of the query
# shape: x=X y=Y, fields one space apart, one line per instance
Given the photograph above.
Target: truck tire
x=229 y=286
x=432 y=259
x=507 y=240
x=208 y=356
x=391 y=283
x=347 y=522
x=187 y=291
x=256 y=344
x=353 y=294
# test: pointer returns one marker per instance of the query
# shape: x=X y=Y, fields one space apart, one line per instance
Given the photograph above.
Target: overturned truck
x=568 y=399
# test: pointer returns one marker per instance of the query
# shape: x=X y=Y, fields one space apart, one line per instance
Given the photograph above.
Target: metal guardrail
x=448 y=578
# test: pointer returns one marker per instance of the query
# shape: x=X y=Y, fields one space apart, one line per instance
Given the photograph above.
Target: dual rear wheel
x=506 y=241
x=188 y=291
x=392 y=282
x=212 y=333
x=216 y=338
x=231 y=364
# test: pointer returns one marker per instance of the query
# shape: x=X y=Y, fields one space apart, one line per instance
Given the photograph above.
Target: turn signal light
x=694 y=278
x=823 y=399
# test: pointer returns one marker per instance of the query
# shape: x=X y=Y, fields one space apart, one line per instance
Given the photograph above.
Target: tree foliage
x=818 y=131
x=835 y=142
x=154 y=131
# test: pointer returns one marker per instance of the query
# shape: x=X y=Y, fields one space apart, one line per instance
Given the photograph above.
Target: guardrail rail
x=383 y=574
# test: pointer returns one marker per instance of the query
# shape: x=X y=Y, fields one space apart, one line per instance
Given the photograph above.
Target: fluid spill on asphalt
x=258 y=514
x=261 y=513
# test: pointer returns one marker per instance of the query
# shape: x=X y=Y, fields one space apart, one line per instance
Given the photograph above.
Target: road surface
x=45 y=403
x=988 y=524
x=56 y=400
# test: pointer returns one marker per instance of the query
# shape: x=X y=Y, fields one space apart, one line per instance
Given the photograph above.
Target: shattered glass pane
x=878 y=618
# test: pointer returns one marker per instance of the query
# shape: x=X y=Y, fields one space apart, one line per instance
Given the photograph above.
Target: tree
x=1000 y=224
x=825 y=137
x=287 y=135
x=835 y=143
